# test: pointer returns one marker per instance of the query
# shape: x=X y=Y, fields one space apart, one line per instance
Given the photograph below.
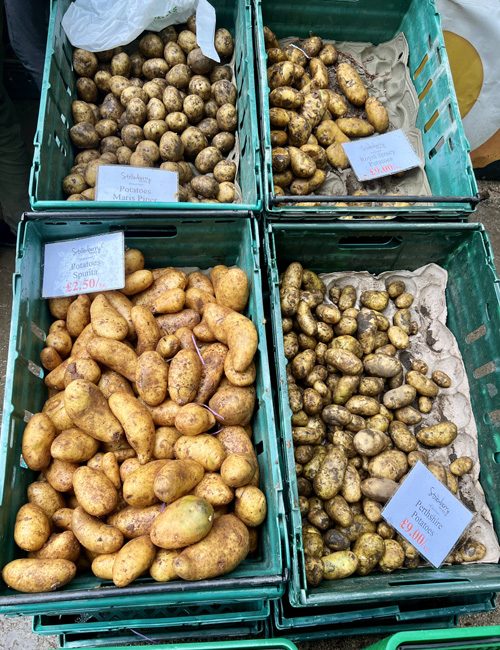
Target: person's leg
x=27 y=23
x=14 y=160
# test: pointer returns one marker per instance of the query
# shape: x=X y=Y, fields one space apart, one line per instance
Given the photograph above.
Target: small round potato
x=84 y=136
x=227 y=192
x=179 y=76
x=172 y=99
x=132 y=134
x=224 y=43
x=199 y=85
x=205 y=186
x=193 y=142
x=172 y=146
x=221 y=72
x=207 y=159
x=227 y=118
x=193 y=108
x=154 y=68
x=224 y=141
x=187 y=41
x=173 y=54
x=198 y=62
x=84 y=63
x=154 y=129
x=224 y=92
x=86 y=89
x=209 y=127
x=151 y=45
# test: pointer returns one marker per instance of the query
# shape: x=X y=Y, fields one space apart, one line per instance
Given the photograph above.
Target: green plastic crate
x=473 y=299
x=410 y=613
x=321 y=631
x=463 y=638
x=54 y=152
x=447 y=162
x=174 y=241
x=267 y=644
x=195 y=616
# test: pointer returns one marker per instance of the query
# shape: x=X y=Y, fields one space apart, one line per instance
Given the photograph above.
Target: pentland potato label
x=427 y=515
x=84 y=265
x=381 y=155
x=144 y=184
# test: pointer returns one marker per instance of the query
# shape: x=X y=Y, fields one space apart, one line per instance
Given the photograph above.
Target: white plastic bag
x=95 y=25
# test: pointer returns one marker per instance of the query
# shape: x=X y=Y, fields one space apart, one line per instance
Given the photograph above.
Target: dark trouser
x=26 y=20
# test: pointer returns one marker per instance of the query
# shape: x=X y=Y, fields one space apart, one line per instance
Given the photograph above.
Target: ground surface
x=15 y=633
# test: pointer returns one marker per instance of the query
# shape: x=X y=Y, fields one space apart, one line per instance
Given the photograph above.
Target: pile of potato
x=144 y=446
x=165 y=104
x=309 y=120
x=354 y=408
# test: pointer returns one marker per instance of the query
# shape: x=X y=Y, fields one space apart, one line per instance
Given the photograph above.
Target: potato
x=408 y=415
x=54 y=408
x=138 y=281
x=250 y=505
x=162 y=569
x=78 y=315
x=132 y=560
x=218 y=553
x=441 y=379
x=43 y=495
x=184 y=376
x=153 y=68
x=437 y=435
x=224 y=141
x=120 y=64
x=96 y=494
x=354 y=127
x=472 y=551
x=82 y=112
x=132 y=134
x=179 y=76
x=36 y=575
x=339 y=565
x=84 y=136
x=102 y=566
x=131 y=92
x=38 y=436
x=462 y=465
x=379 y=489
x=377 y=115
x=399 y=397
x=137 y=423
x=330 y=476
x=106 y=321
x=381 y=365
x=176 y=478
x=286 y=97
x=238 y=469
x=147 y=329
x=115 y=355
x=84 y=63
x=422 y=384
x=88 y=410
x=152 y=378
x=224 y=43
x=391 y=464
x=138 y=484
x=182 y=523
x=207 y=159
x=226 y=117
x=347 y=362
x=32 y=527
x=214 y=490
x=351 y=85
x=59 y=546
x=233 y=405
x=50 y=358
x=74 y=446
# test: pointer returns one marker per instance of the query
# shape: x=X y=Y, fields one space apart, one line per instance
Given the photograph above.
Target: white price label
x=427 y=514
x=381 y=155
x=125 y=183
x=84 y=265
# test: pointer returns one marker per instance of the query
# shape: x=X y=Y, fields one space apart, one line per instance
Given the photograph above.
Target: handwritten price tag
x=381 y=155
x=84 y=265
x=427 y=514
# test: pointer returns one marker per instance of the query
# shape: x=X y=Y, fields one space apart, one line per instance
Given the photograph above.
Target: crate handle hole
x=450 y=111
x=164 y=231
x=425 y=90
x=369 y=242
x=487 y=309
x=431 y=120
x=259 y=448
x=450 y=144
x=436 y=147
x=420 y=66
x=439 y=55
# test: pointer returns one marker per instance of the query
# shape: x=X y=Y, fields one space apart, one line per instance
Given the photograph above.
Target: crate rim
x=243 y=644
x=465 y=633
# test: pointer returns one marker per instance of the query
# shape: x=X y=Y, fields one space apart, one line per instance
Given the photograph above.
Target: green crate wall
x=464 y=638
x=182 y=242
x=473 y=298
x=447 y=160
x=54 y=152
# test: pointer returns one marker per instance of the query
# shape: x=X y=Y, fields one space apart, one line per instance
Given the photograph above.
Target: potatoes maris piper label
x=84 y=265
x=381 y=155
x=144 y=184
x=427 y=515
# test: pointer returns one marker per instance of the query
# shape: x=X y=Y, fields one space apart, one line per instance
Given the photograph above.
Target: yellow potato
x=214 y=356
x=60 y=475
x=232 y=289
x=220 y=552
x=165 y=440
x=164 y=414
x=204 y=449
x=43 y=495
x=437 y=435
x=184 y=376
x=95 y=535
x=74 y=446
x=137 y=423
x=132 y=560
x=146 y=327
x=176 y=478
x=111 y=382
x=193 y=419
x=377 y=115
x=115 y=355
x=134 y=260
x=238 y=469
x=102 y=566
x=168 y=346
x=233 y=405
x=351 y=85
x=355 y=127
x=59 y=546
x=340 y=564
x=162 y=569
x=170 y=301
x=32 y=527
x=123 y=306
x=82 y=369
x=138 y=484
x=50 y=358
x=106 y=321
x=78 y=315
x=152 y=378
x=34 y=575
x=111 y=469
x=250 y=505
x=89 y=410
x=134 y=522
x=62 y=518
x=170 y=323
x=38 y=436
x=59 y=307
x=183 y=523
x=95 y=493
x=137 y=282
